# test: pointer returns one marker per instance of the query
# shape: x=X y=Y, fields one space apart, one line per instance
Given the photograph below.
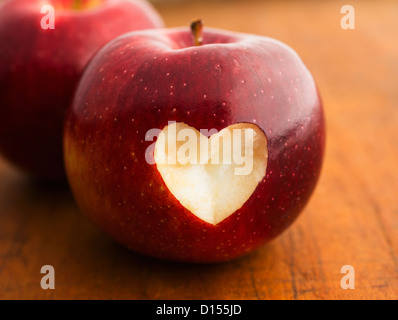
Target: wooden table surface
x=352 y=218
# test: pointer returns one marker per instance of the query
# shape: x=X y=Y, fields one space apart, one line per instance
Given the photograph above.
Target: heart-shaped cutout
x=211 y=177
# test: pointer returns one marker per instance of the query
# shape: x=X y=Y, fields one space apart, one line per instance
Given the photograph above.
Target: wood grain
x=352 y=218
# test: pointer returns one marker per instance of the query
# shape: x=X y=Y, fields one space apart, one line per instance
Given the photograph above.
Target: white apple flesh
x=213 y=186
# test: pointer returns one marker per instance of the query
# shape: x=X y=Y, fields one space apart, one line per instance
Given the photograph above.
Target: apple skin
x=39 y=71
x=232 y=78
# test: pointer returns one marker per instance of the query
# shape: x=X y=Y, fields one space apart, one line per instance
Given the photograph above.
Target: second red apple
x=39 y=70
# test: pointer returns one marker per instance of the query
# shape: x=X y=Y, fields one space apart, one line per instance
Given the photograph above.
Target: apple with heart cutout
x=137 y=176
x=40 y=68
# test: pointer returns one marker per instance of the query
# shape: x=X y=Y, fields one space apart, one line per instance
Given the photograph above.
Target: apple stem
x=197 y=31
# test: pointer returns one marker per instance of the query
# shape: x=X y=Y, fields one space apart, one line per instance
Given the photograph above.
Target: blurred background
x=352 y=218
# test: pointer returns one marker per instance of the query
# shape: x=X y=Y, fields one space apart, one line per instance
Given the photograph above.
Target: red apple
x=143 y=80
x=39 y=70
